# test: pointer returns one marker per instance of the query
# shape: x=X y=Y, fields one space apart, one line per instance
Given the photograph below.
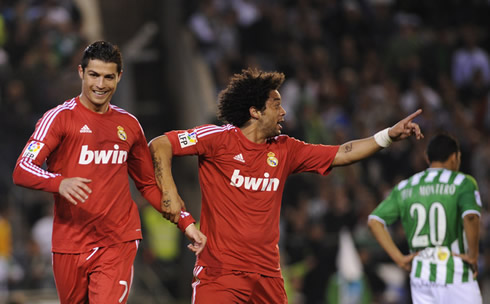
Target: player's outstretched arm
x=197 y=238
x=355 y=150
x=471 y=223
x=386 y=242
x=161 y=153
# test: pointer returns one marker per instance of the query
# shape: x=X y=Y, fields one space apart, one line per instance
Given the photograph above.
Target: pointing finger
x=413 y=115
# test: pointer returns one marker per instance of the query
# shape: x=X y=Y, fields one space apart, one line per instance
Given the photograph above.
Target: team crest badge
x=121 y=134
x=271 y=159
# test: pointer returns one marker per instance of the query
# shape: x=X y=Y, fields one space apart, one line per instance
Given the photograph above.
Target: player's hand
x=406 y=128
x=197 y=238
x=75 y=189
x=472 y=261
x=171 y=205
x=406 y=261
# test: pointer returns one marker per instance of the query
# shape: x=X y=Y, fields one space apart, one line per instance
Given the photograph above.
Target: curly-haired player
x=243 y=167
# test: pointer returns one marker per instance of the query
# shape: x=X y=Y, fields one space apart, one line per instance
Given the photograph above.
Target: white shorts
x=432 y=293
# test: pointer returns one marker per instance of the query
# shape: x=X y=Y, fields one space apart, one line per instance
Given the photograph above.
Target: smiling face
x=99 y=82
x=270 y=119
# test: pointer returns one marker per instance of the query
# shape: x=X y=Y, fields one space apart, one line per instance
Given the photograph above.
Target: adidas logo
x=85 y=129
x=239 y=157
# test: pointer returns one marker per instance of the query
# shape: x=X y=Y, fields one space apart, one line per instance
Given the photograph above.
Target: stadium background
x=352 y=67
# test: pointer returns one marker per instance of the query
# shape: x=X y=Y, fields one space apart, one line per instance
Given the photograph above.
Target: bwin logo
x=102 y=156
x=254 y=183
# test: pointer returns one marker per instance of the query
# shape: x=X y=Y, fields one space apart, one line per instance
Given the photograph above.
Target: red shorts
x=101 y=276
x=216 y=286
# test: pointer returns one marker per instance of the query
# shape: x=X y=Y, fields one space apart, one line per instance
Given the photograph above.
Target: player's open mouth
x=279 y=124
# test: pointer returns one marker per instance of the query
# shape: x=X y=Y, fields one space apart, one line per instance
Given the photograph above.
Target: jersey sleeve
x=307 y=157
x=388 y=211
x=141 y=170
x=28 y=171
x=469 y=200
x=193 y=141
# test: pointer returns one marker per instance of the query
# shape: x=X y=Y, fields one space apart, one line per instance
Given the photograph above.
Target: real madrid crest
x=121 y=134
x=271 y=159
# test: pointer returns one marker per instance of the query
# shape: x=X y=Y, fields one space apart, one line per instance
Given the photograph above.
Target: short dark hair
x=251 y=88
x=441 y=146
x=104 y=51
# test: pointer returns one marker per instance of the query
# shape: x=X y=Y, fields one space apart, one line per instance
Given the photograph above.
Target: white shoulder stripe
x=445 y=175
x=121 y=110
x=211 y=129
x=210 y=132
x=416 y=178
x=430 y=176
x=207 y=128
x=459 y=179
x=402 y=184
x=48 y=118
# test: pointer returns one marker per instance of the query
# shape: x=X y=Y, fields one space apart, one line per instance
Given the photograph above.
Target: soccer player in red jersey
x=90 y=148
x=243 y=167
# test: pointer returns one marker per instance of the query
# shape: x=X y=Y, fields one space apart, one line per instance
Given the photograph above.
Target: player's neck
x=451 y=163
x=251 y=132
x=442 y=165
x=97 y=108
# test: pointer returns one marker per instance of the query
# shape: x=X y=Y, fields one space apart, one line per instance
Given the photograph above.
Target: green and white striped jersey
x=431 y=205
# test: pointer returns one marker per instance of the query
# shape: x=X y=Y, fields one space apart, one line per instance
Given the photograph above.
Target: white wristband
x=382 y=138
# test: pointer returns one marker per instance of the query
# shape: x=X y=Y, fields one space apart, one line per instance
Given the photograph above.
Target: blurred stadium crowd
x=352 y=68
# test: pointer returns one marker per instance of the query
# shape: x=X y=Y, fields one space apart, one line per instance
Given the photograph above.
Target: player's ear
x=455 y=159
x=80 y=71
x=426 y=157
x=119 y=76
x=254 y=113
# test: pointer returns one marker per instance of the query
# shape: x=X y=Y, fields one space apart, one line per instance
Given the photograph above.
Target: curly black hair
x=251 y=88
x=104 y=51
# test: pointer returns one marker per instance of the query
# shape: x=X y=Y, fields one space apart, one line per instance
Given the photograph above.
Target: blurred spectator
x=41 y=237
x=470 y=59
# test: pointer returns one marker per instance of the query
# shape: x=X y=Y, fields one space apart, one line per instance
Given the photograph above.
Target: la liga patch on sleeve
x=187 y=139
x=33 y=149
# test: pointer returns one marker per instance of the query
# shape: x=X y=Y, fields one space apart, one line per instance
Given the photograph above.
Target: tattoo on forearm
x=348 y=148
x=158 y=168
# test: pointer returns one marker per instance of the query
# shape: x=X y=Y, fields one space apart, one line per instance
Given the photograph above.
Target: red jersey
x=77 y=142
x=241 y=185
